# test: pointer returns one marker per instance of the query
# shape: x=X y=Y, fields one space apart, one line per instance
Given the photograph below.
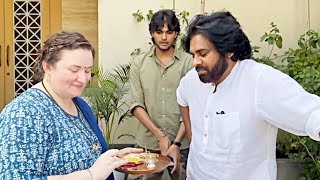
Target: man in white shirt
x=236 y=105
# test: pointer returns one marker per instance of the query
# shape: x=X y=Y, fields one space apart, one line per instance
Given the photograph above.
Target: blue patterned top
x=37 y=139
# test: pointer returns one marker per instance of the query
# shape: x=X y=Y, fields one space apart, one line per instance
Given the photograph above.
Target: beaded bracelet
x=162 y=137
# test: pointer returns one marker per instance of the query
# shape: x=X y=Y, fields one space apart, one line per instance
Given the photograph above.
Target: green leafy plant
x=274 y=39
x=138 y=16
x=303 y=62
x=183 y=17
x=303 y=65
x=149 y=15
x=105 y=94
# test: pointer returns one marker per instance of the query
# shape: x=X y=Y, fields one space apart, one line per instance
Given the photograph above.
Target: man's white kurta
x=234 y=129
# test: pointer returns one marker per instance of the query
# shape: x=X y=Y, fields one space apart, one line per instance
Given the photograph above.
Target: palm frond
x=105 y=95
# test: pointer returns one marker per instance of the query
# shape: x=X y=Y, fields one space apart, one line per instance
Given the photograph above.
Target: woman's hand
x=106 y=163
x=110 y=160
x=125 y=151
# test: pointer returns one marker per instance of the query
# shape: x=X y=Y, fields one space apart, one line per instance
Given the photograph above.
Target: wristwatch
x=176 y=143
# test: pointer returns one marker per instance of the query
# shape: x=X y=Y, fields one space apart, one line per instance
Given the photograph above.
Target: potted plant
x=303 y=65
x=105 y=94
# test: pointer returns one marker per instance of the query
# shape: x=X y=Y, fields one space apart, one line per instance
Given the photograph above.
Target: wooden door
x=2 y=54
x=26 y=25
x=8 y=47
x=82 y=18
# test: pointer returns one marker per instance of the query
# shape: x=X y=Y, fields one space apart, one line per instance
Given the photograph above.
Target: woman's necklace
x=94 y=145
x=45 y=88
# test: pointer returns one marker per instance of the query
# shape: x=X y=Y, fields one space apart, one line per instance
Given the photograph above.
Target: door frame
x=50 y=23
x=2 y=56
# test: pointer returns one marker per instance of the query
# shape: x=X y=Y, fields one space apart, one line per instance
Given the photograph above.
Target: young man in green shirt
x=154 y=78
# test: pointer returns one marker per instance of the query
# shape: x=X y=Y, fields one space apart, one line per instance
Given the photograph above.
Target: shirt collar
x=177 y=52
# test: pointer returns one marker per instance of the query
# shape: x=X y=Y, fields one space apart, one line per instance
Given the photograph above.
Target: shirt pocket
x=227 y=132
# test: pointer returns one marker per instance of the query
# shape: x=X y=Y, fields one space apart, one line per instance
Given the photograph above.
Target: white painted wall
x=120 y=34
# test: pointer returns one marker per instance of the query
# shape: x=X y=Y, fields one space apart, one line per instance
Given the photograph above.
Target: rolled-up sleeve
x=284 y=103
x=136 y=93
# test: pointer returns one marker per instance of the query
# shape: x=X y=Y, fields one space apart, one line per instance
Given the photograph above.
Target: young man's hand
x=164 y=144
x=174 y=153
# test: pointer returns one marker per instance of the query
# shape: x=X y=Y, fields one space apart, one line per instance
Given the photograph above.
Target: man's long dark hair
x=223 y=31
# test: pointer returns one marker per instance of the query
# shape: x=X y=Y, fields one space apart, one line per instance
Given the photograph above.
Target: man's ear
x=151 y=34
x=229 y=55
x=176 y=34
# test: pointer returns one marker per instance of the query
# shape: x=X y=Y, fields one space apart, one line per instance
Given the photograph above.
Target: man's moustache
x=201 y=68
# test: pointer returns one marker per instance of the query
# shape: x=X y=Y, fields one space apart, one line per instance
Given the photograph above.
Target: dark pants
x=179 y=174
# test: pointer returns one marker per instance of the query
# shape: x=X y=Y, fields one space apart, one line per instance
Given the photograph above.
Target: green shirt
x=153 y=87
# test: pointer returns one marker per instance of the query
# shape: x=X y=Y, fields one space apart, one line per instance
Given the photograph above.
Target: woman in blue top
x=48 y=132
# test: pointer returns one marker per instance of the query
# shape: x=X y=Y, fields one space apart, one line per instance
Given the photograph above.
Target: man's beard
x=215 y=73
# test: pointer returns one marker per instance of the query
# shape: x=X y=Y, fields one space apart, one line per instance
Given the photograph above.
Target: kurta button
x=206 y=116
x=205 y=135
x=163 y=102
